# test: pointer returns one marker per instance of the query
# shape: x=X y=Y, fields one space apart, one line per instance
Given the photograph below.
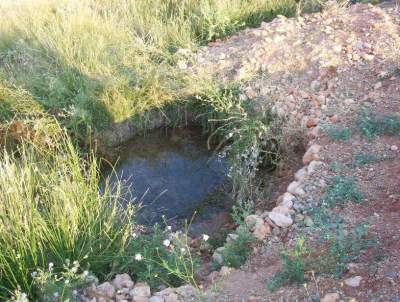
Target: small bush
x=340 y=191
x=237 y=251
x=338 y=133
x=293 y=270
x=362 y=159
x=372 y=125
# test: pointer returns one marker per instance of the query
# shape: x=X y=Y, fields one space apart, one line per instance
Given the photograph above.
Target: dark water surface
x=173 y=174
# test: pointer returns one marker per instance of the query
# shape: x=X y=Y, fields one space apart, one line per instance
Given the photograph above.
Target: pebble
x=394 y=148
x=331 y=297
x=353 y=281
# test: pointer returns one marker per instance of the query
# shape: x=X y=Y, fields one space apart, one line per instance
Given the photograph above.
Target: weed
x=372 y=125
x=241 y=210
x=293 y=270
x=362 y=159
x=340 y=191
x=237 y=251
x=338 y=133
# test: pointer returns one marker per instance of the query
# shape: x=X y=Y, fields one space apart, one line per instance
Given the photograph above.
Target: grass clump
x=237 y=251
x=342 y=190
x=293 y=267
x=338 y=133
x=373 y=125
x=52 y=210
x=362 y=159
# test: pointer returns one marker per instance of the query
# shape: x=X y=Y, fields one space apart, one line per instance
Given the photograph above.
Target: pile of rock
x=123 y=289
x=282 y=215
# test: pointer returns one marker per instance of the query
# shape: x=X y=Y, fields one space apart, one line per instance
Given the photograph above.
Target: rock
x=156 y=299
x=280 y=219
x=313 y=166
x=315 y=85
x=348 y=102
x=311 y=154
x=141 y=292
x=225 y=271
x=123 y=281
x=295 y=188
x=218 y=255
x=314 y=132
x=171 y=298
x=261 y=230
x=312 y=122
x=378 y=85
x=186 y=291
x=232 y=237
x=287 y=200
x=301 y=174
x=282 y=209
x=106 y=290
x=252 y=220
x=353 y=281
x=394 y=148
x=331 y=297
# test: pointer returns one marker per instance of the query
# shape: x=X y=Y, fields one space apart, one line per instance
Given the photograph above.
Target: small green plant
x=62 y=286
x=293 y=270
x=342 y=190
x=338 y=133
x=372 y=125
x=362 y=159
x=241 y=210
x=237 y=251
x=162 y=258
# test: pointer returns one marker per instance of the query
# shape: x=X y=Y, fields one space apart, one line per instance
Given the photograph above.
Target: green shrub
x=361 y=159
x=293 y=270
x=372 y=125
x=237 y=251
x=338 y=133
x=340 y=191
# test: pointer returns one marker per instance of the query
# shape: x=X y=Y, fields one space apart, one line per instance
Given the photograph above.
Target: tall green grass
x=90 y=63
x=51 y=210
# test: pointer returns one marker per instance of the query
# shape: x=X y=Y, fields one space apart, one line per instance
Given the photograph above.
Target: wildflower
x=85 y=273
x=67 y=281
x=34 y=274
x=75 y=292
x=169 y=228
x=56 y=295
x=183 y=250
x=166 y=242
x=205 y=237
x=134 y=235
x=74 y=269
x=76 y=263
x=138 y=257
x=51 y=265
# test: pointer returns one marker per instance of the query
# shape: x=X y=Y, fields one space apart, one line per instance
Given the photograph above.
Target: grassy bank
x=90 y=63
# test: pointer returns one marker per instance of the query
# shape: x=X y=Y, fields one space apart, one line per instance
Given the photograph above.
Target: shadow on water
x=173 y=176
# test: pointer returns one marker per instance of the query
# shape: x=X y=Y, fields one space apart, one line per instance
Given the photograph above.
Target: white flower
x=166 y=242
x=85 y=273
x=183 y=250
x=134 y=235
x=75 y=292
x=205 y=237
x=169 y=228
x=67 y=281
x=56 y=294
x=51 y=264
x=74 y=269
x=76 y=263
x=138 y=257
x=34 y=274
